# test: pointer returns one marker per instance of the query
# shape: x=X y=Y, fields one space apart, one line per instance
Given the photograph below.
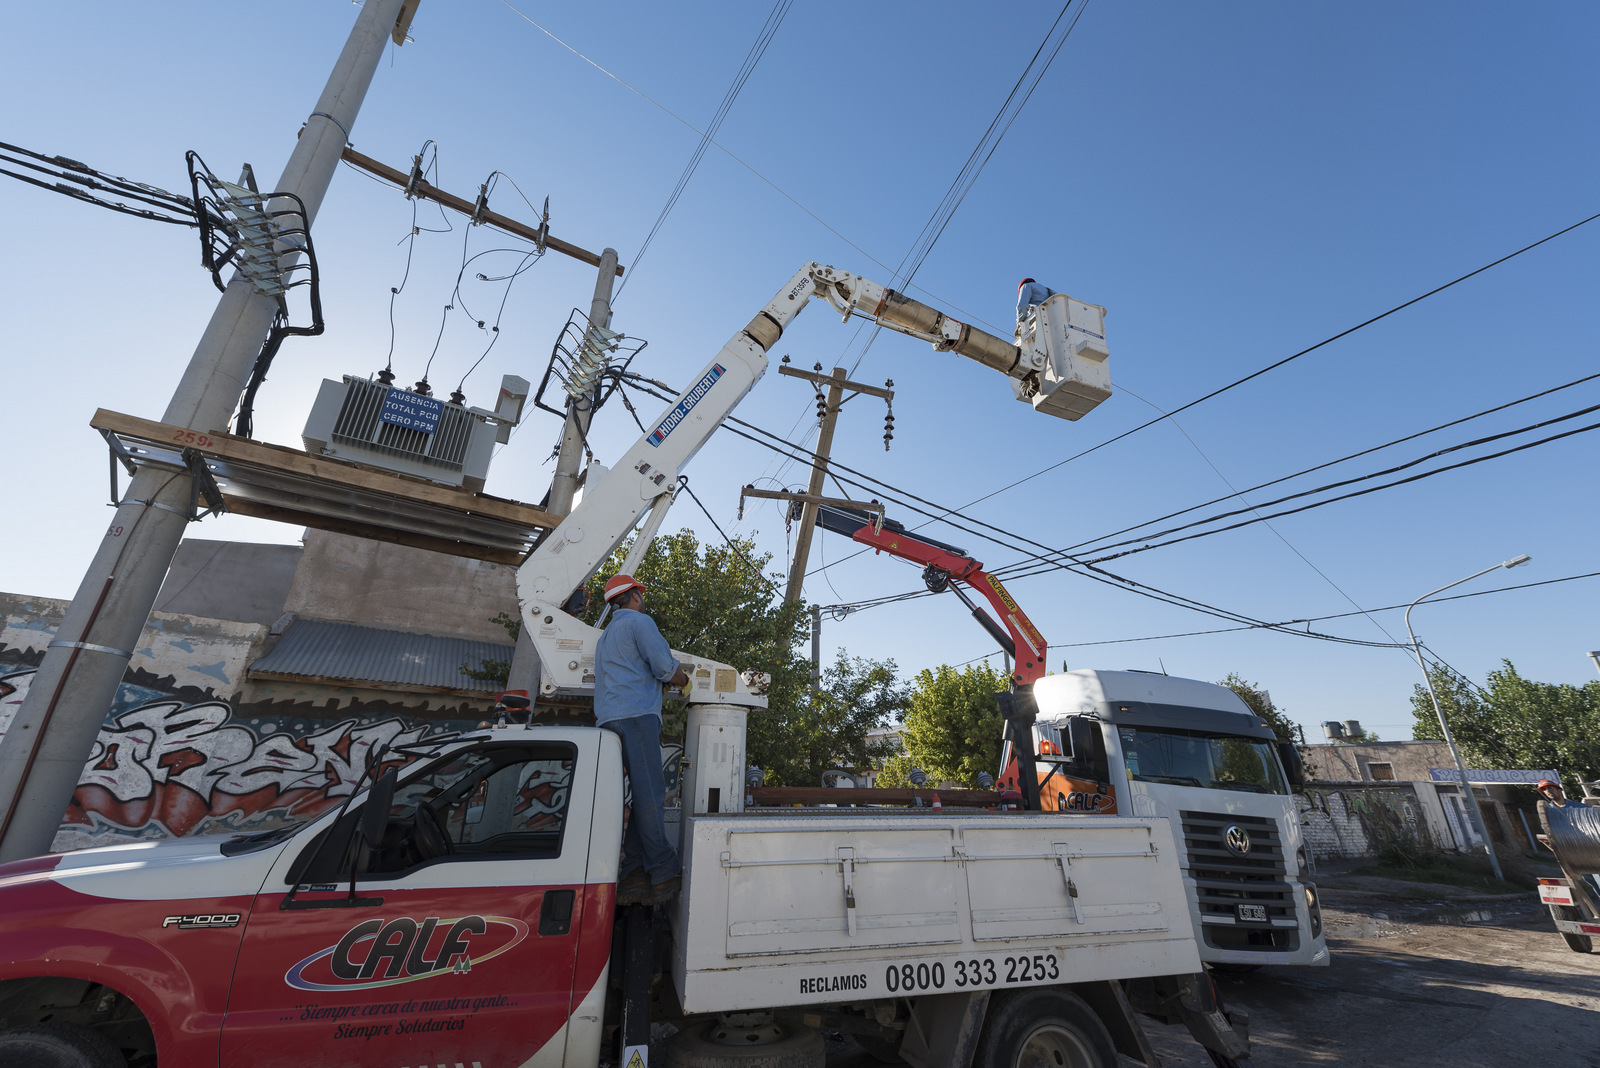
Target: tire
x=1049 y=1028
x=1578 y=943
x=883 y=1050
x=58 y=1046
x=695 y=1047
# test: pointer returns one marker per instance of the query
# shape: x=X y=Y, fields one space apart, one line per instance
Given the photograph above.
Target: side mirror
x=1293 y=766
x=1088 y=746
x=375 y=817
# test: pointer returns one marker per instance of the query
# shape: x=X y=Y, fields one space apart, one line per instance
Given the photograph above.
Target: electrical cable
x=1342 y=459
x=1287 y=359
x=1094 y=573
x=1370 y=489
x=769 y=29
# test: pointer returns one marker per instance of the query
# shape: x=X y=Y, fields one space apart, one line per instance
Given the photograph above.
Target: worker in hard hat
x=1030 y=294
x=631 y=663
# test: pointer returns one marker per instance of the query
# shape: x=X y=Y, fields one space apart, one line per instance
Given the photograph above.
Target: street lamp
x=1595 y=656
x=1466 y=787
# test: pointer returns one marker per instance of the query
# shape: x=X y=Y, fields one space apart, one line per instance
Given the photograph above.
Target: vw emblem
x=1237 y=839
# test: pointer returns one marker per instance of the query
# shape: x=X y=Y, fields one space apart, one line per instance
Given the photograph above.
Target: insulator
x=422 y=389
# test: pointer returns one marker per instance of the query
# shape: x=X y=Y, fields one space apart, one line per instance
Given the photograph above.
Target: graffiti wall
x=190 y=746
x=163 y=766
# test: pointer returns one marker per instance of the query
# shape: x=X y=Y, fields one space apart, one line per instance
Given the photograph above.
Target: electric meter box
x=1071 y=337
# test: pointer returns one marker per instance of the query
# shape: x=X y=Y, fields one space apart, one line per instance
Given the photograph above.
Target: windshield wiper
x=1255 y=788
x=1176 y=780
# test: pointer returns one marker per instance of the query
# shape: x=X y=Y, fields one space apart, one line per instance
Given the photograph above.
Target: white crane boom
x=1046 y=367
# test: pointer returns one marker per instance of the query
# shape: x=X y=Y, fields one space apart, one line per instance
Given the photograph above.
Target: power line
x=768 y=30
x=1287 y=359
x=1319 y=619
x=1340 y=460
x=1369 y=489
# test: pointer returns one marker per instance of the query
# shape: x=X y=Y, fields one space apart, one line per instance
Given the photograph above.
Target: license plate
x=1555 y=895
x=1252 y=913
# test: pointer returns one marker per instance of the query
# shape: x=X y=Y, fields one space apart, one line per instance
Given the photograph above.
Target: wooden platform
x=291 y=486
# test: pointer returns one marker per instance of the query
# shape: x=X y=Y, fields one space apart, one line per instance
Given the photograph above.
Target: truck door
x=460 y=944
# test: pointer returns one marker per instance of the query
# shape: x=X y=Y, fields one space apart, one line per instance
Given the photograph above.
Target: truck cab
x=1144 y=744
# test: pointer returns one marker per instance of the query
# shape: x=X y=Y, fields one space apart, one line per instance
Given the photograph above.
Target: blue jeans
x=644 y=843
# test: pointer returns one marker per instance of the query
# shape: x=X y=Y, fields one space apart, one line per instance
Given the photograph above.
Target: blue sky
x=1234 y=182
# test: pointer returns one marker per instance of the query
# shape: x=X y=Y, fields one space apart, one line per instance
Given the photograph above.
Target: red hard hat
x=1549 y=782
x=617 y=585
x=1024 y=282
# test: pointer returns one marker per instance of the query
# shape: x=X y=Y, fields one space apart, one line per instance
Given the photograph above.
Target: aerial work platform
x=290 y=486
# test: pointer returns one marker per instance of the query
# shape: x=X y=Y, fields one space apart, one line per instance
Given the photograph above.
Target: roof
x=315 y=651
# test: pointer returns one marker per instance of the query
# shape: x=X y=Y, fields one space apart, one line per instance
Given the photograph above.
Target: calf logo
x=377 y=953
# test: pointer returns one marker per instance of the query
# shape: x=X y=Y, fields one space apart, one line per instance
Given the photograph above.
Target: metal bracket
x=1065 y=857
x=847 y=868
x=812 y=498
x=202 y=484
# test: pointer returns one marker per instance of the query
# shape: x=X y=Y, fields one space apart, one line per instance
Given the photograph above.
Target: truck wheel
x=58 y=1046
x=716 y=1045
x=1048 y=1028
x=1576 y=942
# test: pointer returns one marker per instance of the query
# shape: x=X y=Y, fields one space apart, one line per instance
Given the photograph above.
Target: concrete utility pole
x=837 y=383
x=524 y=673
x=43 y=753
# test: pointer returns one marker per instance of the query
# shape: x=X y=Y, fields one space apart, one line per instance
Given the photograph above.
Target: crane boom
x=646 y=477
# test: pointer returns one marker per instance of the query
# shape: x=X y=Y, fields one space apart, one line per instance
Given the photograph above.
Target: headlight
x=1314 y=910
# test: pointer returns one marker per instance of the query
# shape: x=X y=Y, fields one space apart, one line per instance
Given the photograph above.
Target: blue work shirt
x=1028 y=295
x=631 y=662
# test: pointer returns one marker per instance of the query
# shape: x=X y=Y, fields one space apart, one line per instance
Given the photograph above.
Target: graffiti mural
x=162 y=766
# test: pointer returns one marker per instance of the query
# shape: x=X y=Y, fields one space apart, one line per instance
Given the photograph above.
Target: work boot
x=665 y=891
x=634 y=889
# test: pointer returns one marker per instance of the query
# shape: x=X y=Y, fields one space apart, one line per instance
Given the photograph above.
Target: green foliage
x=495 y=670
x=1515 y=722
x=1261 y=704
x=795 y=741
x=953 y=725
x=896 y=773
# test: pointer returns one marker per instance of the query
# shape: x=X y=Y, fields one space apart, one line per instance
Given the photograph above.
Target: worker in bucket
x=1030 y=294
x=631 y=663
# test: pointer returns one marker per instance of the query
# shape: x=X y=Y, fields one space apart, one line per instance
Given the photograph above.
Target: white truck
x=1144 y=744
x=461 y=909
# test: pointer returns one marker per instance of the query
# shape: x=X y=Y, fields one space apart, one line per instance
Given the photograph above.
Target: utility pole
x=816 y=647
x=52 y=734
x=829 y=407
x=524 y=672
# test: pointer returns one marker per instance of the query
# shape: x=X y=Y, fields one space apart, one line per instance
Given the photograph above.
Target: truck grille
x=359 y=424
x=1225 y=878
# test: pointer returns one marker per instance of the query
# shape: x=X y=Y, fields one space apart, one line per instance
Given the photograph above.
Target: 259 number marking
x=974 y=971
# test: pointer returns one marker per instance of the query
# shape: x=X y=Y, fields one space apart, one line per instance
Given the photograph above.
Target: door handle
x=555 y=914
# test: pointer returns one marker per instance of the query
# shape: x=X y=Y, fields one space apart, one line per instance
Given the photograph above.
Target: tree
x=953 y=725
x=1515 y=722
x=1260 y=703
x=795 y=741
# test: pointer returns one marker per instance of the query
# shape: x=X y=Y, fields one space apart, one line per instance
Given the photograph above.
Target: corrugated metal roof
x=344 y=651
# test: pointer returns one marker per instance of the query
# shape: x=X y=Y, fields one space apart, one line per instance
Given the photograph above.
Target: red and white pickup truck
x=461 y=912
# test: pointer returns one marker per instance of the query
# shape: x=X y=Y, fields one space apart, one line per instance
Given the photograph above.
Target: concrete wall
x=229 y=580
x=373 y=583
x=1351 y=820
x=1341 y=762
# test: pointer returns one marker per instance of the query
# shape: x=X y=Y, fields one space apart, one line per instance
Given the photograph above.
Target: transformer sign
x=411 y=410
x=681 y=410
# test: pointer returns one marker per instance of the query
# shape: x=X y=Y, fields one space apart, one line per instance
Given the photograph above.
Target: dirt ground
x=1422 y=975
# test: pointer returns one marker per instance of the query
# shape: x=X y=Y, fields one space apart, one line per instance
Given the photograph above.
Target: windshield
x=1196 y=758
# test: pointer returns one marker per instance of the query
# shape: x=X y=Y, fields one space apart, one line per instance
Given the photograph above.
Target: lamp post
x=1461 y=767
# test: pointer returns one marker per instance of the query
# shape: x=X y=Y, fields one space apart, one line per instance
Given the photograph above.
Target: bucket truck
x=461 y=908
